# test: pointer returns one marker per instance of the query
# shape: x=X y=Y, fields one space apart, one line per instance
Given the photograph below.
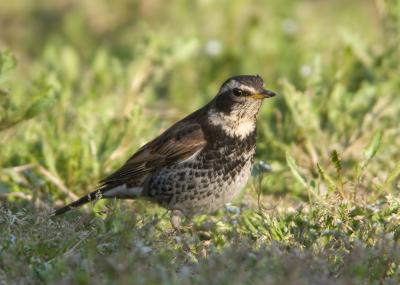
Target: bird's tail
x=95 y=195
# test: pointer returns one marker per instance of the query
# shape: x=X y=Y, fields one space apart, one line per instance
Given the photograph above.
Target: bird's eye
x=238 y=92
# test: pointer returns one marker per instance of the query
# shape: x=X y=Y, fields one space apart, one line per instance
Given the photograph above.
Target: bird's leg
x=176 y=220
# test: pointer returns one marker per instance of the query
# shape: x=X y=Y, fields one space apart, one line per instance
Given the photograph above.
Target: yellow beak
x=263 y=95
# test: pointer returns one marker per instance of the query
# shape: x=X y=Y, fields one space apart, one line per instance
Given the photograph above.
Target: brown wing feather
x=176 y=144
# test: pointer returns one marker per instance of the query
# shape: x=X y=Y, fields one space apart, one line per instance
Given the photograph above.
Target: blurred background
x=84 y=83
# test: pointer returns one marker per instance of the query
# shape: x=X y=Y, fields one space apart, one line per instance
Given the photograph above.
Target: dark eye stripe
x=239 y=92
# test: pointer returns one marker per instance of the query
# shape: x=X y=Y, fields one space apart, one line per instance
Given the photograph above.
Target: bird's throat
x=234 y=124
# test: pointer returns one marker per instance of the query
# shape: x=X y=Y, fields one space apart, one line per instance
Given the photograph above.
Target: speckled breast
x=206 y=182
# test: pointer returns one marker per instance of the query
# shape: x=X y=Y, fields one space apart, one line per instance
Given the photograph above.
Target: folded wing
x=175 y=145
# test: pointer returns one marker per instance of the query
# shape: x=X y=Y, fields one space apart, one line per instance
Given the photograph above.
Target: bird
x=200 y=163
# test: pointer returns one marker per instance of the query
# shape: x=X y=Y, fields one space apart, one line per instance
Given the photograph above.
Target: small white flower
x=213 y=47
x=232 y=209
x=305 y=70
x=289 y=26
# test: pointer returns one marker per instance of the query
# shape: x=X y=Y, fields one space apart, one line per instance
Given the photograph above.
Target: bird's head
x=235 y=108
x=242 y=92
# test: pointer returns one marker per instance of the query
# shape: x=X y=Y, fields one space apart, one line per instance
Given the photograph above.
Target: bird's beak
x=264 y=94
x=268 y=94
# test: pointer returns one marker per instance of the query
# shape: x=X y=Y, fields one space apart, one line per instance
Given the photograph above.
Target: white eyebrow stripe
x=248 y=88
x=235 y=84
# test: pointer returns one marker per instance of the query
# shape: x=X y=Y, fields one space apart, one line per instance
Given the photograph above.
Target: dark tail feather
x=95 y=195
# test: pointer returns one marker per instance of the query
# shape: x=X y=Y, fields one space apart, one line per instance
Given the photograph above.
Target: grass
x=83 y=85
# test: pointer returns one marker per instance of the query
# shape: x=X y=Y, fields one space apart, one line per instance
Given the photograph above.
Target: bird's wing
x=178 y=143
x=175 y=145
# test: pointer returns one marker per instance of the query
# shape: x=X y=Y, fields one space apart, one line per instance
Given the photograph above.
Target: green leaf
x=38 y=106
x=371 y=150
x=43 y=99
x=295 y=170
x=7 y=61
x=391 y=177
x=325 y=177
x=337 y=161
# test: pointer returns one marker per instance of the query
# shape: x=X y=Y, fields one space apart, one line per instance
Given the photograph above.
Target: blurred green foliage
x=83 y=84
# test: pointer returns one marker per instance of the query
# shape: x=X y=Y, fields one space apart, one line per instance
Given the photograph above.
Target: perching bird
x=200 y=163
